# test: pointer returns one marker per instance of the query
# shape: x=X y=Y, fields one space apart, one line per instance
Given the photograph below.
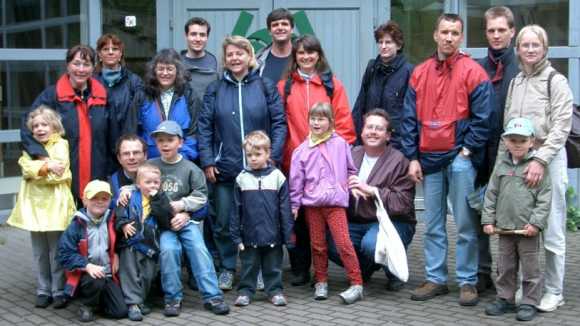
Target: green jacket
x=509 y=203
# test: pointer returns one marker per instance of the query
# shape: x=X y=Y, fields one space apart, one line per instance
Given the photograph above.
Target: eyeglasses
x=165 y=69
x=375 y=128
x=131 y=154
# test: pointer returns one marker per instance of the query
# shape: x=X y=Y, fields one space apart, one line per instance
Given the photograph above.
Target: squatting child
x=509 y=205
x=45 y=203
x=261 y=221
x=319 y=174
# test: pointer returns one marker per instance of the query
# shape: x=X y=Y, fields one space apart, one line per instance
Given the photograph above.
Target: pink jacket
x=319 y=175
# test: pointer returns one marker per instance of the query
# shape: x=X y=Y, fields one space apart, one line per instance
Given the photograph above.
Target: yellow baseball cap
x=96 y=186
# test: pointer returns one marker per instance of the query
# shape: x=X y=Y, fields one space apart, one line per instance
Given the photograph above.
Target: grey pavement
x=380 y=307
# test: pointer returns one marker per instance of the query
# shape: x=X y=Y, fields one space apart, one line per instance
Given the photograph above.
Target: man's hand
x=129 y=230
x=95 y=271
x=179 y=221
x=489 y=229
x=211 y=173
x=531 y=230
x=534 y=173
x=124 y=197
x=415 y=172
x=359 y=188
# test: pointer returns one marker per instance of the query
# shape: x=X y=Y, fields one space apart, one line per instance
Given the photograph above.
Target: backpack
x=573 y=141
x=325 y=77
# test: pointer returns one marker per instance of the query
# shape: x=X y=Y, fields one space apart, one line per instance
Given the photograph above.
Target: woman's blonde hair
x=538 y=31
x=322 y=109
x=50 y=116
x=242 y=43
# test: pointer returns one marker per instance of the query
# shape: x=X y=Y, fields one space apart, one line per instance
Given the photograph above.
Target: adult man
x=501 y=66
x=444 y=131
x=131 y=152
x=273 y=59
x=384 y=168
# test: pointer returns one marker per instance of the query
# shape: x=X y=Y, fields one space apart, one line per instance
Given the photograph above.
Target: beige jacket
x=552 y=117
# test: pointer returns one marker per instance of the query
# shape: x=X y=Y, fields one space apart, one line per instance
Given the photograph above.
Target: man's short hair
x=197 y=21
x=500 y=11
x=256 y=140
x=279 y=13
x=129 y=137
x=449 y=17
x=378 y=113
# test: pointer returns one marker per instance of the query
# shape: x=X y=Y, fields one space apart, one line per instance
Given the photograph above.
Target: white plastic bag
x=389 y=250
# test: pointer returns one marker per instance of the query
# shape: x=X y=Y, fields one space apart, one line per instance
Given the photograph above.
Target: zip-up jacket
x=303 y=95
x=261 y=214
x=232 y=109
x=87 y=130
x=383 y=86
x=447 y=106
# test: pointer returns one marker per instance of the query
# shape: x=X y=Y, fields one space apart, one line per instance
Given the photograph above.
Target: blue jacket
x=383 y=86
x=261 y=215
x=181 y=111
x=232 y=109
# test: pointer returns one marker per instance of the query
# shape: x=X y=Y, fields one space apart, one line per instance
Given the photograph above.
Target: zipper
x=241 y=121
x=260 y=183
x=307 y=95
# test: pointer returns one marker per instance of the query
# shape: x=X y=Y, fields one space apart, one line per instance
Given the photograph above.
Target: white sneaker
x=551 y=302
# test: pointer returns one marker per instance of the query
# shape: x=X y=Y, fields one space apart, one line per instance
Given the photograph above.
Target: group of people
x=266 y=153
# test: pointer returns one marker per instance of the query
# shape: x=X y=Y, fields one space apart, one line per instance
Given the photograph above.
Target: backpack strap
x=550 y=77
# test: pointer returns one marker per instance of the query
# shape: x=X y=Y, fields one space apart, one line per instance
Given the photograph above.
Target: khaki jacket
x=552 y=117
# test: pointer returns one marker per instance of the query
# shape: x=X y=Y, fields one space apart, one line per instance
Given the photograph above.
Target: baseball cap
x=168 y=127
x=519 y=126
x=94 y=187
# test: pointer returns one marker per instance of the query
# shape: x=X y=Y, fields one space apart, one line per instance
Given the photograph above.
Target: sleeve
x=60 y=153
x=122 y=217
x=286 y=219
x=361 y=102
x=560 y=120
x=206 y=126
x=410 y=125
x=481 y=104
x=344 y=125
x=296 y=180
x=278 y=126
x=31 y=146
x=398 y=196
x=132 y=118
x=31 y=169
x=351 y=168
x=541 y=212
x=161 y=209
x=197 y=199
x=235 y=221
x=488 y=214
x=69 y=255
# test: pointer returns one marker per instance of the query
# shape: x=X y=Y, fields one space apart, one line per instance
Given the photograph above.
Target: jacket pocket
x=437 y=136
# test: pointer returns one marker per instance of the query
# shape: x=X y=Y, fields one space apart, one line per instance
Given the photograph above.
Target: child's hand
x=489 y=229
x=124 y=197
x=531 y=230
x=179 y=221
x=241 y=247
x=95 y=271
x=353 y=181
x=129 y=230
x=55 y=167
x=295 y=213
x=178 y=206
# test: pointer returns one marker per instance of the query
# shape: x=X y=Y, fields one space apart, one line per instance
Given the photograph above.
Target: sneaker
x=551 y=302
x=279 y=300
x=428 y=290
x=172 y=309
x=134 y=313
x=526 y=312
x=242 y=301
x=145 y=309
x=260 y=282
x=86 y=314
x=43 y=301
x=226 y=280
x=395 y=285
x=60 y=302
x=353 y=294
x=217 y=306
x=300 y=279
x=499 y=307
x=484 y=283
x=468 y=295
x=321 y=291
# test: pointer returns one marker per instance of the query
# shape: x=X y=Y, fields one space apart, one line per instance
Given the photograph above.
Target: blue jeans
x=191 y=240
x=457 y=181
x=364 y=240
x=223 y=204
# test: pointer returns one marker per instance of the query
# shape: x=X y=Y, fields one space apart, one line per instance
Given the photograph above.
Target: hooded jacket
x=231 y=110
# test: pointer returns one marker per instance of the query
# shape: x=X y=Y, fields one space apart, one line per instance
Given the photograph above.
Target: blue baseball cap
x=168 y=127
x=519 y=126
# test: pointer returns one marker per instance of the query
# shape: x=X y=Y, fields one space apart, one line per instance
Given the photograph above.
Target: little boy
x=184 y=184
x=509 y=205
x=139 y=241
x=261 y=221
x=86 y=250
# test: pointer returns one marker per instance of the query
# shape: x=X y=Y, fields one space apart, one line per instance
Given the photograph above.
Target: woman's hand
x=534 y=173
x=531 y=230
x=211 y=173
x=415 y=172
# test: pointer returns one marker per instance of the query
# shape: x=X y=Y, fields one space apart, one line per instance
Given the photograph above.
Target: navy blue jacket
x=261 y=214
x=383 y=86
x=231 y=110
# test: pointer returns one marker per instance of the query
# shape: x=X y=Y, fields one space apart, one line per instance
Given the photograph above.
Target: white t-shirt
x=366 y=167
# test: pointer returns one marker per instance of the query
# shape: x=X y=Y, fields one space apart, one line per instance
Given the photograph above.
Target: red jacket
x=303 y=95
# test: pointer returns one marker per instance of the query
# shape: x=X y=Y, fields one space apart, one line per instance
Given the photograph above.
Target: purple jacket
x=319 y=175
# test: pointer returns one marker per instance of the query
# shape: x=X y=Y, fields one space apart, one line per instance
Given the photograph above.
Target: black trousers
x=104 y=293
x=269 y=260
x=300 y=256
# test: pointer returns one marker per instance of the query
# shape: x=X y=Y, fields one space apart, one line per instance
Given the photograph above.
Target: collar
x=66 y=93
x=447 y=64
x=537 y=68
x=314 y=140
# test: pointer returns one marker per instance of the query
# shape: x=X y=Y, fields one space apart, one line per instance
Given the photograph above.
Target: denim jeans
x=457 y=181
x=364 y=240
x=191 y=240
x=224 y=201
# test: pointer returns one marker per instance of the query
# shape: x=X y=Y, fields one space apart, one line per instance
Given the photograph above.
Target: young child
x=45 y=203
x=511 y=205
x=261 y=221
x=319 y=174
x=139 y=241
x=87 y=252
x=184 y=183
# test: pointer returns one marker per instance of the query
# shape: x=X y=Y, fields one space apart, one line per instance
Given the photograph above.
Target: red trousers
x=335 y=217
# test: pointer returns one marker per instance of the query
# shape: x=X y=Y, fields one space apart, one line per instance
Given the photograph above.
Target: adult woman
x=309 y=80
x=82 y=103
x=236 y=104
x=168 y=97
x=385 y=80
x=542 y=95
x=124 y=88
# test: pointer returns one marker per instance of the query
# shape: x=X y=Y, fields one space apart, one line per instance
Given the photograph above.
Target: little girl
x=45 y=203
x=319 y=174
